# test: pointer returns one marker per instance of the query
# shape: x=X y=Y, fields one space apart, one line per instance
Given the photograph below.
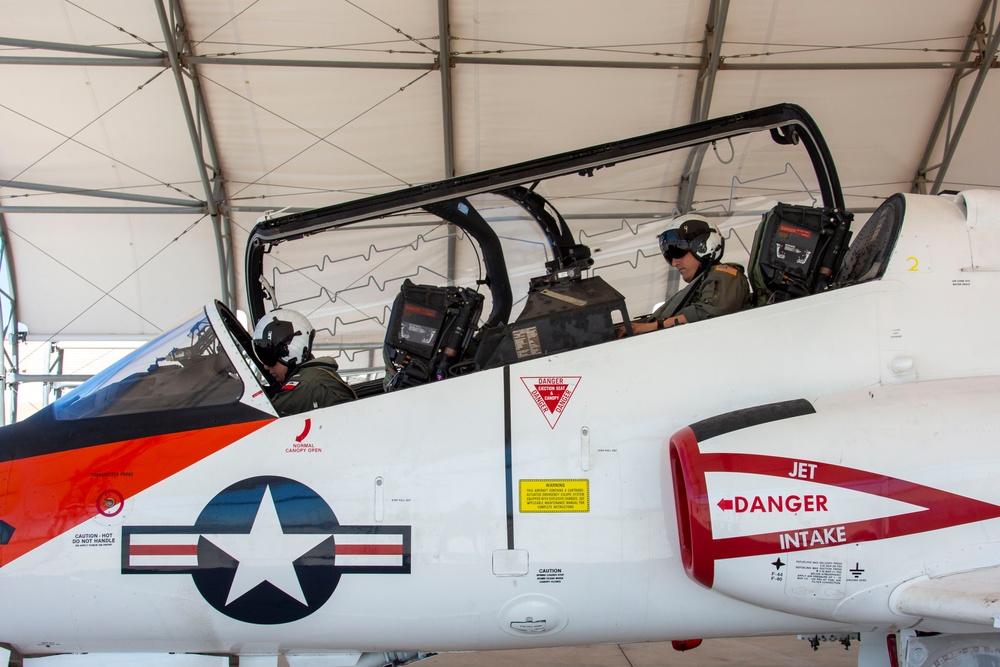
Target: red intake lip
x=694 y=520
x=700 y=550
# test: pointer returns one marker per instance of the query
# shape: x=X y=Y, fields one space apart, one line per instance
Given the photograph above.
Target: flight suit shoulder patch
x=725 y=268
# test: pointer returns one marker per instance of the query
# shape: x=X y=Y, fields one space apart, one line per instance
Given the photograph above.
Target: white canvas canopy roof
x=141 y=141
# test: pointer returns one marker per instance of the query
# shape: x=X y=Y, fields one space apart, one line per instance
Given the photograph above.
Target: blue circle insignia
x=266 y=521
x=266 y=550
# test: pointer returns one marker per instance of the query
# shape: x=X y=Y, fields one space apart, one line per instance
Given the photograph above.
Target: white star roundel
x=266 y=550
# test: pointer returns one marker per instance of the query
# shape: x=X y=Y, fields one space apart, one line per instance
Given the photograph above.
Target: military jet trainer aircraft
x=824 y=463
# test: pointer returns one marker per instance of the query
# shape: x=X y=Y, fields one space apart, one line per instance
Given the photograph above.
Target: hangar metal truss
x=183 y=49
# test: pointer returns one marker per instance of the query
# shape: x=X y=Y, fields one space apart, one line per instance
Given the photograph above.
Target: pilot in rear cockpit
x=694 y=247
x=283 y=341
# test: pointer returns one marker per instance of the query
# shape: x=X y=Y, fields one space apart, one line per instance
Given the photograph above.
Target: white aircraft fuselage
x=817 y=465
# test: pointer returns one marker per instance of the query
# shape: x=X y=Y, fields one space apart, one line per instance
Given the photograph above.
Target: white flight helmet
x=692 y=233
x=283 y=335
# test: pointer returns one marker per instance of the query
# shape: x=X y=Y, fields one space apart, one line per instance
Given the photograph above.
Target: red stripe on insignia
x=163 y=550
x=369 y=549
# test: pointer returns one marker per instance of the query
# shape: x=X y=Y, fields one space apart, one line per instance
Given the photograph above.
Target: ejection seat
x=429 y=331
x=795 y=252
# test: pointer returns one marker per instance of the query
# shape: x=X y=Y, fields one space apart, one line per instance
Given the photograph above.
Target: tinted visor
x=269 y=355
x=673 y=246
x=271 y=344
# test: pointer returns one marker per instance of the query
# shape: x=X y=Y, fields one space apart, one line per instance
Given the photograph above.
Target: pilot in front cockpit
x=283 y=341
x=695 y=247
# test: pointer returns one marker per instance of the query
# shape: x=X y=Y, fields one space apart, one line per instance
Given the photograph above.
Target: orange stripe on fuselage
x=50 y=494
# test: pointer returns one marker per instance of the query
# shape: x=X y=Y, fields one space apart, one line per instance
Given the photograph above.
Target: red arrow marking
x=305 y=431
x=725 y=504
x=700 y=550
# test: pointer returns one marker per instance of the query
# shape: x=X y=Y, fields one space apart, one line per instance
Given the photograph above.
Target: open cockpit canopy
x=562 y=243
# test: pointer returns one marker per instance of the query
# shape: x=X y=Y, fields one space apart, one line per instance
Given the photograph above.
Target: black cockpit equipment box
x=560 y=314
x=429 y=330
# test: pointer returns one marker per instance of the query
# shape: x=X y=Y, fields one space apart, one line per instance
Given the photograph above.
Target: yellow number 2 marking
x=916 y=263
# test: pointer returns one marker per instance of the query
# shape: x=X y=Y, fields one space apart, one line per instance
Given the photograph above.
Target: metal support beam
x=284 y=62
x=486 y=60
x=447 y=119
x=710 y=60
x=10 y=381
x=990 y=34
x=725 y=66
x=58 y=377
x=54 y=364
x=8 y=330
x=171 y=33
x=919 y=183
x=186 y=61
x=108 y=210
x=447 y=105
x=224 y=231
x=117 y=57
x=103 y=194
x=157 y=56
x=970 y=102
x=85 y=62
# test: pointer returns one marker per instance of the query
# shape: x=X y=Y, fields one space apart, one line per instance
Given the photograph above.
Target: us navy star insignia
x=266 y=550
x=266 y=553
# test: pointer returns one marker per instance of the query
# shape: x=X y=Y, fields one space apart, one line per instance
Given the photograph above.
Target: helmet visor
x=269 y=355
x=270 y=341
x=673 y=246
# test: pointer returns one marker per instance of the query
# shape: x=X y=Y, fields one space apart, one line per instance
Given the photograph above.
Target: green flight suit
x=720 y=289
x=313 y=384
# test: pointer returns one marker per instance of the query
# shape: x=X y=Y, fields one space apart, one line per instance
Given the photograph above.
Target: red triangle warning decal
x=551 y=394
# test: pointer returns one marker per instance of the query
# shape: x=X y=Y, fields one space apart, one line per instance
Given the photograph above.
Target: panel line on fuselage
x=507 y=457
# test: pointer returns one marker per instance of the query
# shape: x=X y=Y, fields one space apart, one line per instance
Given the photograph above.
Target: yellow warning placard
x=555 y=495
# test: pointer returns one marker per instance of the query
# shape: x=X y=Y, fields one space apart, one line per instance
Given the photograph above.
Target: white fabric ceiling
x=102 y=190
